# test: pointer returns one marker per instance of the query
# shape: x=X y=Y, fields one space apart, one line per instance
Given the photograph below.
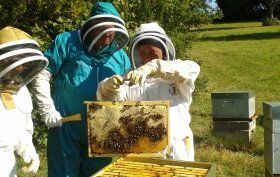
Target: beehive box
x=151 y=167
x=231 y=125
x=235 y=130
x=118 y=128
x=271 y=112
x=233 y=104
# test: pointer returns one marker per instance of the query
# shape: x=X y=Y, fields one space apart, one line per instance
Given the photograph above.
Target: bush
x=43 y=20
x=270 y=22
x=40 y=132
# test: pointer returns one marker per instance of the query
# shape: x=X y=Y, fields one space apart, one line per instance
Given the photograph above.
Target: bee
x=155 y=117
x=156 y=133
x=125 y=107
x=94 y=106
x=125 y=120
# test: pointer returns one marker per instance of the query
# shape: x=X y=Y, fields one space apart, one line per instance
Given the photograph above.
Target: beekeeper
x=79 y=60
x=20 y=61
x=153 y=56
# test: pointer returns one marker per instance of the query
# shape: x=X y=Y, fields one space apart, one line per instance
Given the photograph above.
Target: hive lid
x=271 y=109
x=119 y=128
x=231 y=94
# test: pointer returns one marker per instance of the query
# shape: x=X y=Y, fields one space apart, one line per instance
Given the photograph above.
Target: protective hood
x=101 y=8
x=104 y=32
x=20 y=59
x=151 y=33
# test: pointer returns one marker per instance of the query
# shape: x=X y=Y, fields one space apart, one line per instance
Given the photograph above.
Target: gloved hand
x=176 y=71
x=29 y=155
x=136 y=76
x=139 y=75
x=53 y=119
x=111 y=85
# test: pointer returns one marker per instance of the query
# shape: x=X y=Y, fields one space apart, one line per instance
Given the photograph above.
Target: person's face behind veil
x=105 y=39
x=149 y=52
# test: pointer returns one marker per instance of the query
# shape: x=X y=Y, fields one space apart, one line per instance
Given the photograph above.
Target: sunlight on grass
x=235 y=56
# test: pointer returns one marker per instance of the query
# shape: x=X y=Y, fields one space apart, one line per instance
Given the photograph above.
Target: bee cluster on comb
x=127 y=127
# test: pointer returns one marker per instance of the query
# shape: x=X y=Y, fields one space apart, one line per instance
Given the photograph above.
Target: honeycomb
x=127 y=127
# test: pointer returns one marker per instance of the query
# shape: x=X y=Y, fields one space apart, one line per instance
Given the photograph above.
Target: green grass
x=235 y=56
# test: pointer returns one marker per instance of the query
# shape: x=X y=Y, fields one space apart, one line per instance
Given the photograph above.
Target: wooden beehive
x=151 y=167
x=271 y=112
x=235 y=130
x=118 y=128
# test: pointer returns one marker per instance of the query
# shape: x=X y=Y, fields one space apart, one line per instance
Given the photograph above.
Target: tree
x=177 y=17
x=240 y=9
x=248 y=9
x=271 y=5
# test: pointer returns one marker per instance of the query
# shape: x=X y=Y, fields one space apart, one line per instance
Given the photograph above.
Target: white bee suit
x=163 y=87
x=16 y=129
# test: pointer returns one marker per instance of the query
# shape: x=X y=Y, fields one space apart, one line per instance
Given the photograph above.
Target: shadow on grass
x=220 y=143
x=252 y=36
x=223 y=28
x=260 y=120
x=198 y=139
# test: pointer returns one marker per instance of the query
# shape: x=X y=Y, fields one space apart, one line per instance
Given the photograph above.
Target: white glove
x=136 y=76
x=53 y=119
x=42 y=95
x=139 y=75
x=30 y=156
x=111 y=85
x=177 y=71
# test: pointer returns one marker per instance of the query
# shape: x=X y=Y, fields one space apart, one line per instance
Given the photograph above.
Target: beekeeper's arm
x=24 y=146
x=41 y=86
x=177 y=71
x=107 y=89
x=42 y=93
x=26 y=149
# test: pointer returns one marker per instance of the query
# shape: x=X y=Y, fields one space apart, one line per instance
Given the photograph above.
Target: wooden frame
x=137 y=167
x=144 y=147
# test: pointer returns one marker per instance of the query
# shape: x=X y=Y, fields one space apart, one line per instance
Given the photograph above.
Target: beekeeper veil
x=104 y=32
x=152 y=34
x=20 y=59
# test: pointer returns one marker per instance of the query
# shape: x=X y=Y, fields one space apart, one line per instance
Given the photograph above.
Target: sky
x=212 y=3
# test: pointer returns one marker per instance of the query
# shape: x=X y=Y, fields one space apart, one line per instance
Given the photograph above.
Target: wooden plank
x=168 y=162
x=164 y=168
x=133 y=103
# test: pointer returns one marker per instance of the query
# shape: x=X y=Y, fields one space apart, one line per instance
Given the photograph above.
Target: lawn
x=235 y=56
